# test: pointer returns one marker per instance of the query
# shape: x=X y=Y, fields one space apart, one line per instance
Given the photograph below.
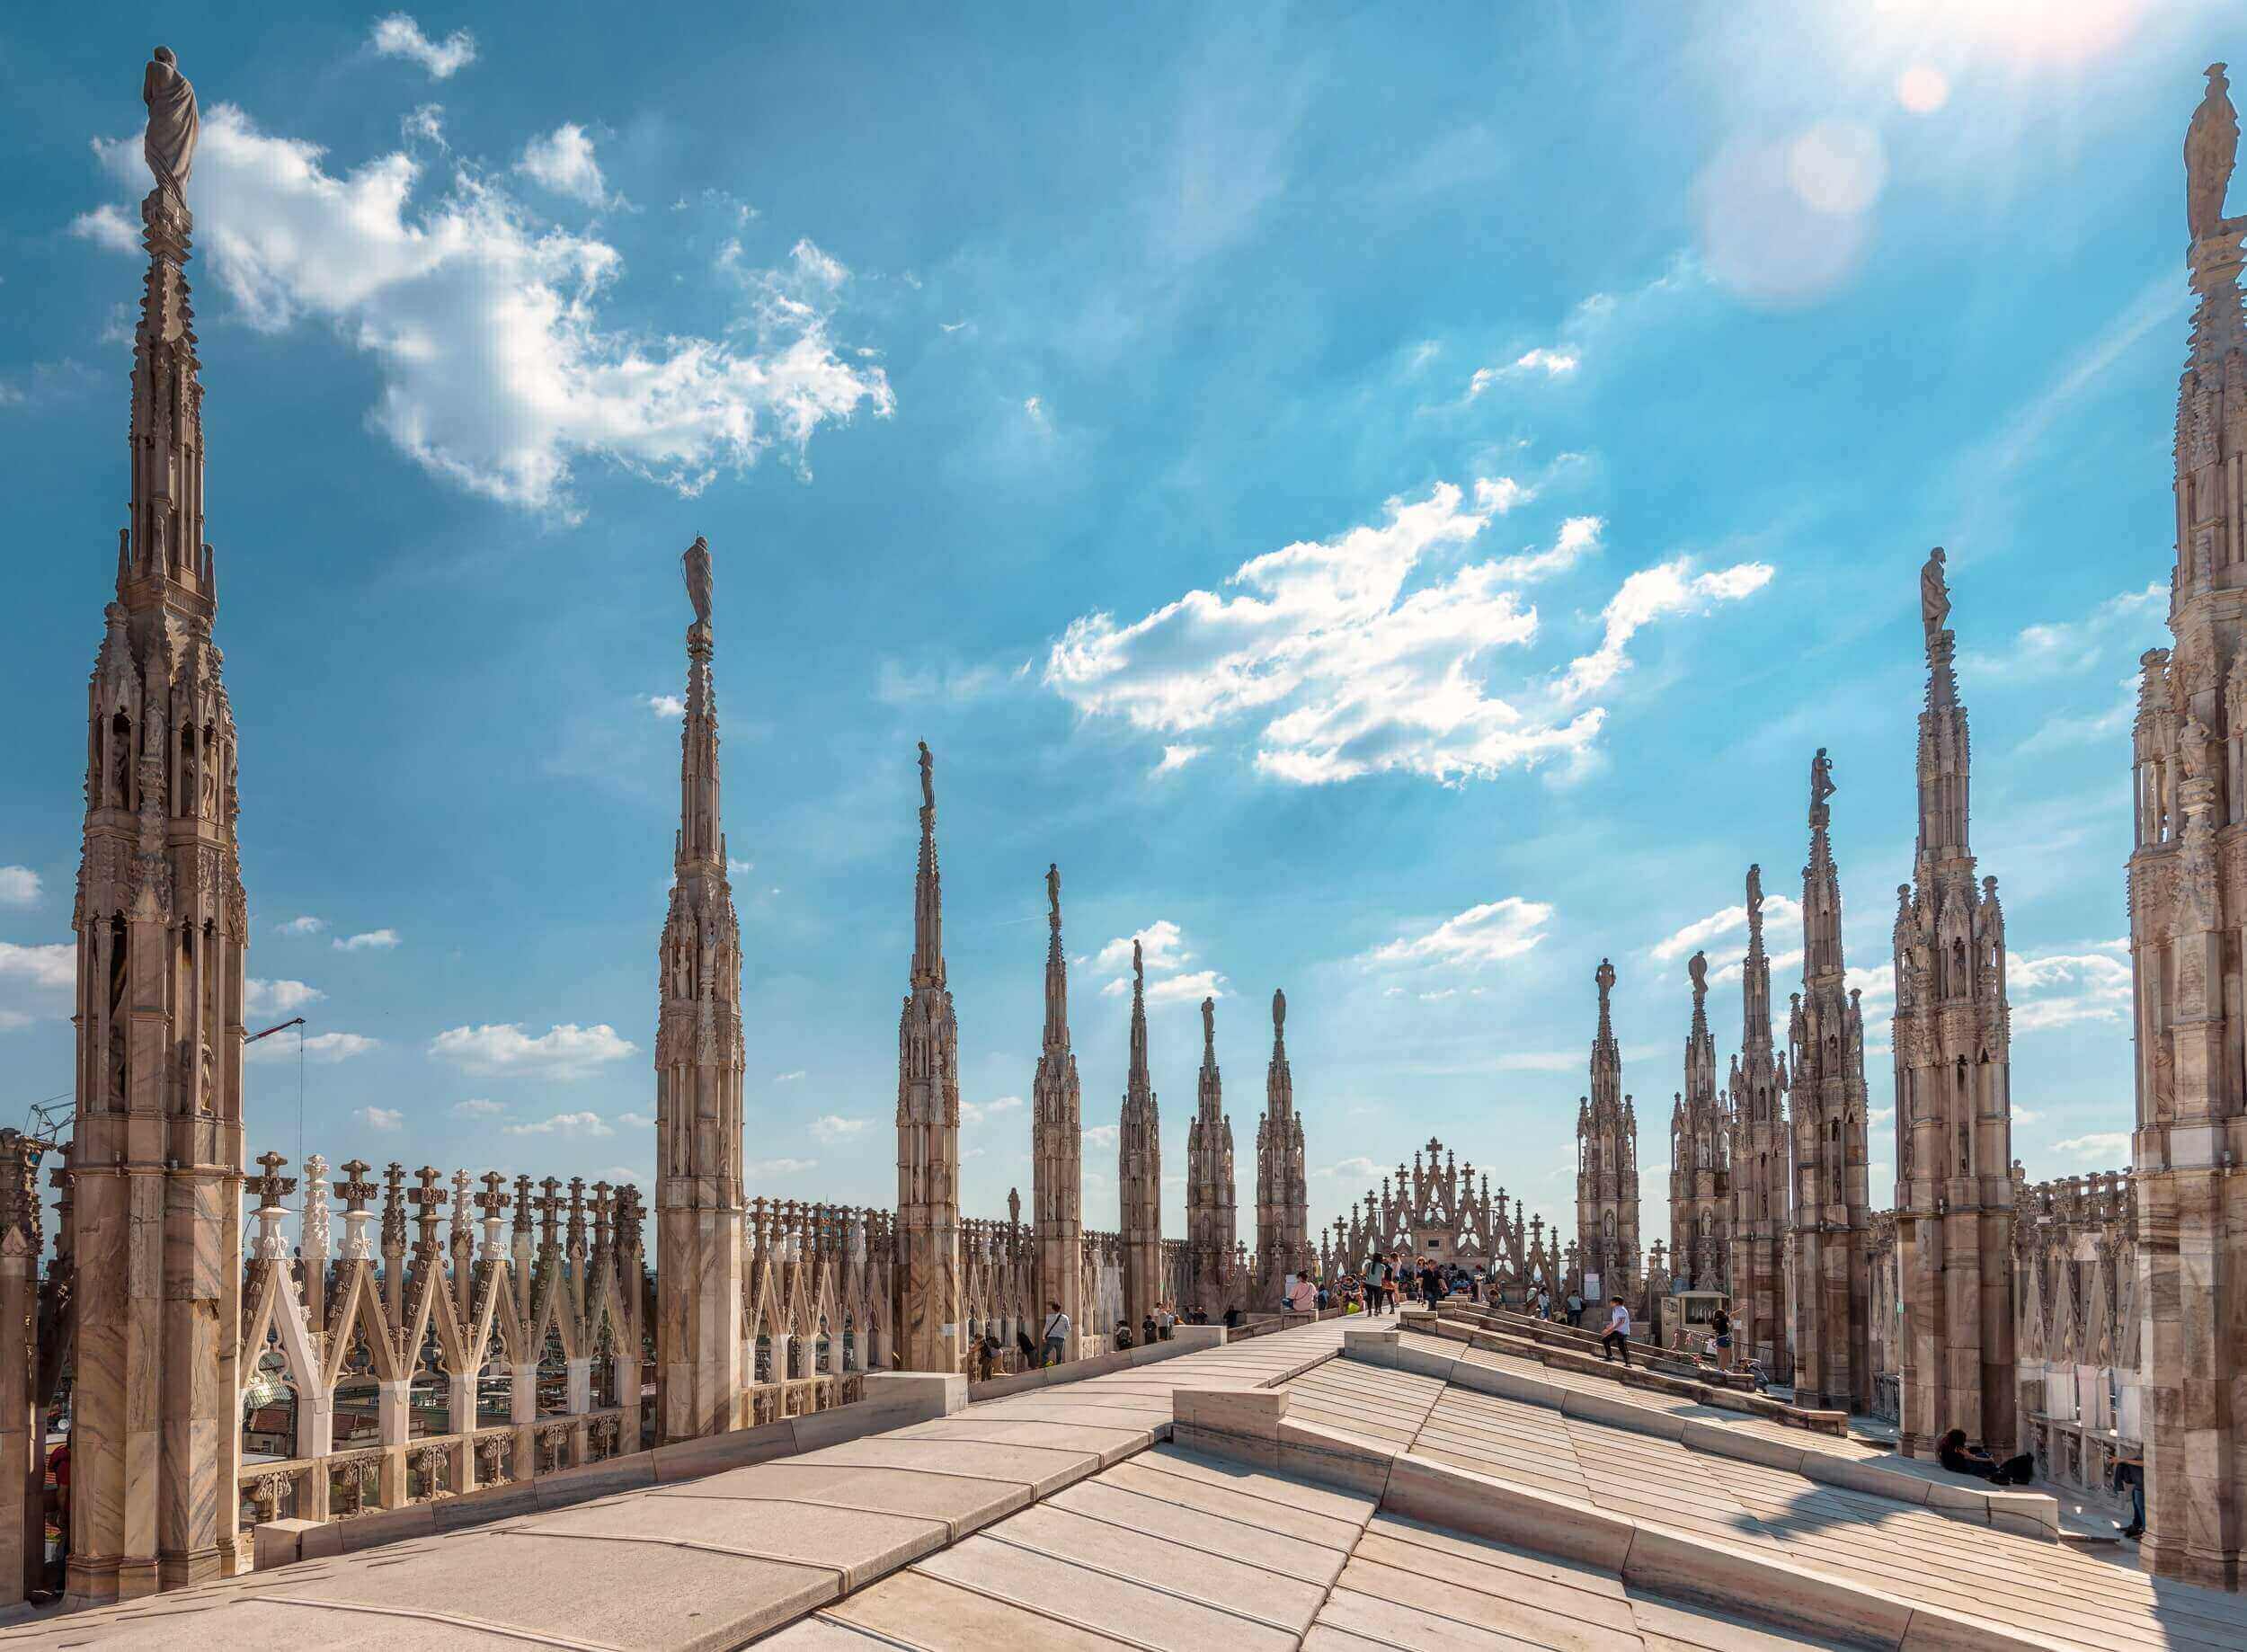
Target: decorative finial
x=1604 y=978
x=927 y=778
x=1138 y=970
x=1209 y=1029
x=2211 y=147
x=1053 y=895
x=696 y=562
x=174 y=125
x=1279 y=1010
x=1934 y=596
x=1697 y=967
x=1822 y=786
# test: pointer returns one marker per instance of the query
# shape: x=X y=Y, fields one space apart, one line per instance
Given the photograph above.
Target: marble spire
x=1830 y=1296
x=1282 y=1205
x=1954 y=1188
x=1761 y=1189
x=163 y=934
x=930 y=1336
x=1607 y=1162
x=700 y=1055
x=1139 y=1168
x=1701 y=1206
x=2189 y=747
x=1212 y=1222
x=1057 y=1141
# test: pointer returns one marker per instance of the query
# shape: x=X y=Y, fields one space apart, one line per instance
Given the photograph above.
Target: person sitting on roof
x=1955 y=1454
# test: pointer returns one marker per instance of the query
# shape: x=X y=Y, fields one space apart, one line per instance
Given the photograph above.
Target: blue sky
x=1391 y=509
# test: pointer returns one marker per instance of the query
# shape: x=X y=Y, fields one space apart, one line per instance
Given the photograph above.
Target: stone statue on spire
x=175 y=126
x=928 y=780
x=1822 y=786
x=695 y=563
x=1934 y=597
x=2211 y=147
x=1053 y=894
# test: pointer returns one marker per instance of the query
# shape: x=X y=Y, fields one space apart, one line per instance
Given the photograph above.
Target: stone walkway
x=699 y=1564
x=2071 y=1598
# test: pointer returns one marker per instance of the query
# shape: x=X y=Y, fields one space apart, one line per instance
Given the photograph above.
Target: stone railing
x=2076 y=1325
x=377 y=1373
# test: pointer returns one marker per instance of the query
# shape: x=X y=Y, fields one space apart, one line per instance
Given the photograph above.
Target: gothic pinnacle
x=927 y=895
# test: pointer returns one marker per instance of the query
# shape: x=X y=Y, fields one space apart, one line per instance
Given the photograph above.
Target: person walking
x=1056 y=1333
x=1375 y=1268
x=1618 y=1337
x=1720 y=1338
x=1544 y=1303
x=1575 y=1310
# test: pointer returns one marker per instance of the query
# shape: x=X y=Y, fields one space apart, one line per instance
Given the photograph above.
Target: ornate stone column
x=1607 y=1164
x=700 y=1056
x=1762 y=1189
x=927 y=1271
x=1057 y=1136
x=162 y=923
x=1831 y=1297
x=1139 y=1169
x=1212 y=1225
x=1282 y=1198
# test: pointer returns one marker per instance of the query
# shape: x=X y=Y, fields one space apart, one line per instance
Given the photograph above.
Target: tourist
x=1544 y=1303
x=1304 y=1297
x=1147 y=1329
x=2130 y=1474
x=1376 y=1273
x=1232 y=1316
x=986 y=1352
x=1165 y=1318
x=1123 y=1335
x=1576 y=1310
x=1056 y=1333
x=1617 y=1339
x=1431 y=1286
x=1720 y=1337
x=1955 y=1454
x=1028 y=1349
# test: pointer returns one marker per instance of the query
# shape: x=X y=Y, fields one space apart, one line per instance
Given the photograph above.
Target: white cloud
x=1357 y=1170
x=1486 y=934
x=1551 y=363
x=1102 y=1135
x=1192 y=988
x=1353 y=668
x=636 y=1121
x=2066 y=988
x=563 y=161
x=52 y=966
x=778 y=1167
x=279 y=997
x=2021 y=1115
x=2066 y=648
x=1578 y=536
x=787 y=1077
x=2069 y=729
x=399 y=36
x=1178 y=757
x=380 y=1118
x=978 y=1113
x=1669 y=588
x=666 y=704
x=1345 y=671
x=2101 y=1144
x=563 y=1052
x=425 y=124
x=477 y=1108
x=572 y=1124
x=306 y=925
x=1162 y=944
x=106 y=226
x=371 y=940
x=1887 y=1115
x=323 y=1049
x=832 y=1127
x=485 y=324
x=1778 y=911
x=19 y=886
x=1541 y=1060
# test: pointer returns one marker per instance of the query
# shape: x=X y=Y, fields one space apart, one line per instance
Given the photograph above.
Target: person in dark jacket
x=1955 y=1454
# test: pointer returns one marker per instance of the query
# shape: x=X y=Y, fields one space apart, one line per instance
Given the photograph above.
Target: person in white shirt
x=1618 y=1337
x=1056 y=1333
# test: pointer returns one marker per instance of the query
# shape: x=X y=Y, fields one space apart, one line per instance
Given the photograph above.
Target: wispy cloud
x=833 y=1127
x=279 y=997
x=19 y=886
x=322 y=1049
x=372 y=940
x=1486 y=934
x=564 y=1051
x=305 y=925
x=760 y=1168
x=571 y=1124
x=384 y=1119
x=2101 y=1144
x=666 y=704
x=1778 y=911
x=476 y=1108
x=563 y=161
x=1647 y=595
x=399 y=36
